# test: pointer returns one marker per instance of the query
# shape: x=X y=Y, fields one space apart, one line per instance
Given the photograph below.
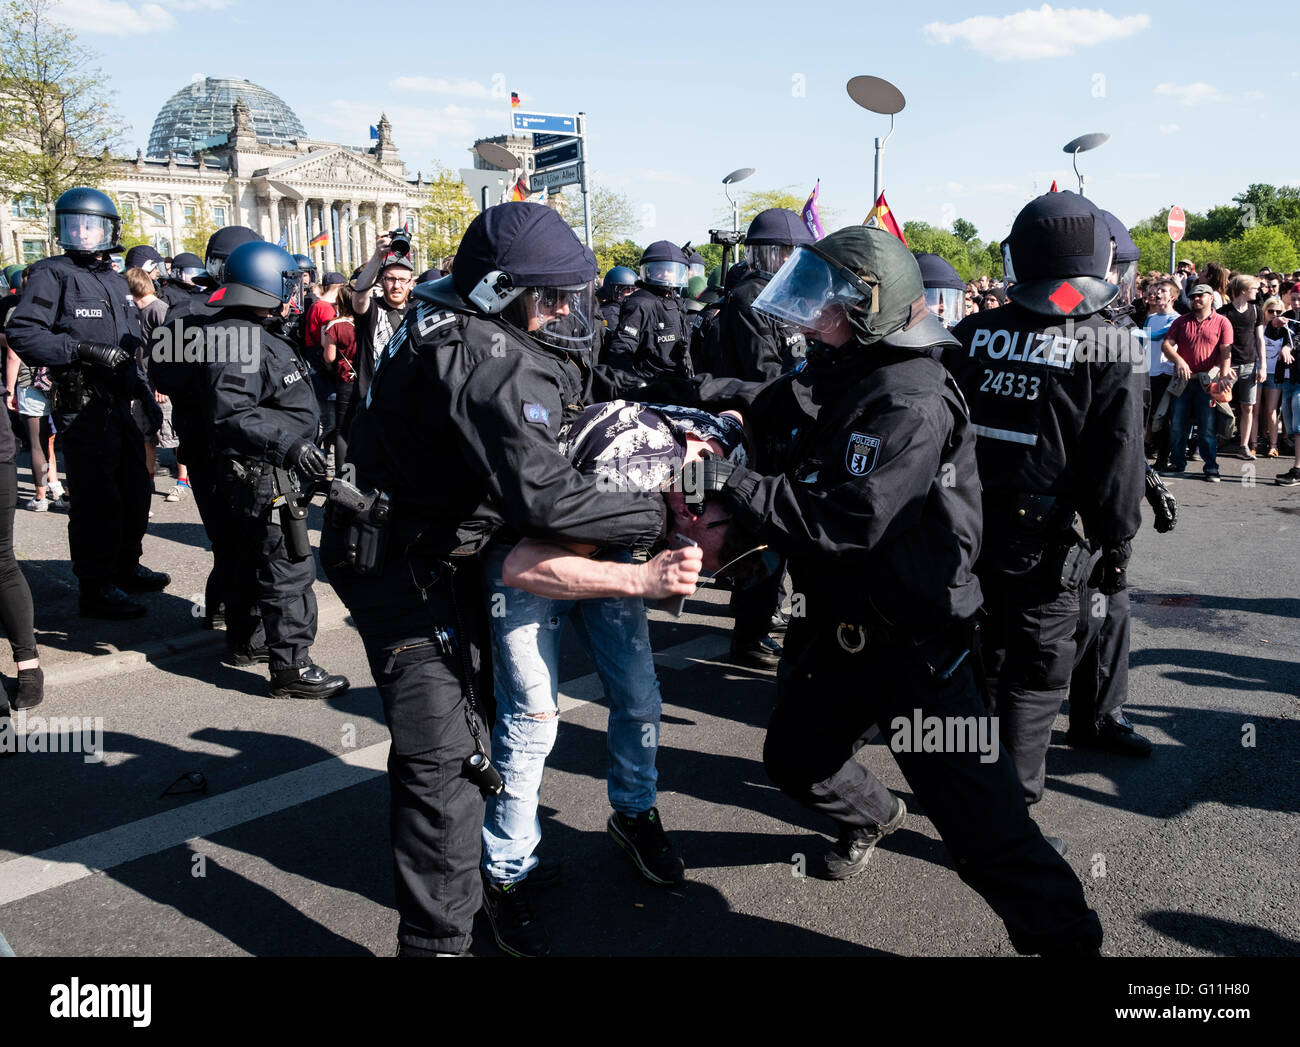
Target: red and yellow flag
x=520 y=191
x=320 y=238
x=883 y=218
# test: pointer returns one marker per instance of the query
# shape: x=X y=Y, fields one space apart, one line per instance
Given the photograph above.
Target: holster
x=71 y=391
x=292 y=505
x=243 y=485
x=365 y=518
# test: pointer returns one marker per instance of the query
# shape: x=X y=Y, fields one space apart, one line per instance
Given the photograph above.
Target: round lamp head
x=880 y=96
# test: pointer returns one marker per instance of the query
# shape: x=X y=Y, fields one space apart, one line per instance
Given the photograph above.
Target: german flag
x=322 y=237
x=514 y=100
x=520 y=191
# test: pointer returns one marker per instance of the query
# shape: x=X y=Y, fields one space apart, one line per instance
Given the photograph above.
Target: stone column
x=300 y=224
x=273 y=205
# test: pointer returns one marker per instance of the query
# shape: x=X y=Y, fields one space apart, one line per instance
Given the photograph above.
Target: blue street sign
x=552 y=122
x=557 y=156
x=542 y=141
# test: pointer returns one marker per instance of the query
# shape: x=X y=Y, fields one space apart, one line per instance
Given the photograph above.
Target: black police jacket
x=459 y=428
x=870 y=489
x=261 y=404
x=1056 y=414
x=174 y=292
x=652 y=336
x=754 y=346
x=66 y=301
x=177 y=370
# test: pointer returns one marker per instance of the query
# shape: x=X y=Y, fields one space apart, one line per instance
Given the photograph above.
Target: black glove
x=704 y=477
x=305 y=459
x=109 y=356
x=1109 y=576
x=1162 y=501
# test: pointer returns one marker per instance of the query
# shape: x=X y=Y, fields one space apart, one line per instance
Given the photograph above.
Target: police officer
x=457 y=442
x=181 y=283
x=75 y=318
x=652 y=338
x=263 y=428
x=220 y=245
x=1059 y=419
x=945 y=292
x=755 y=347
x=619 y=282
x=867 y=482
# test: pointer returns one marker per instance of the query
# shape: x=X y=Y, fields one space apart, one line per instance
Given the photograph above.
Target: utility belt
x=251 y=487
x=1040 y=528
x=944 y=650
x=76 y=386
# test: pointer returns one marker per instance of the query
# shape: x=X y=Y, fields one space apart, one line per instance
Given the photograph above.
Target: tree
x=964 y=231
x=612 y=217
x=1259 y=247
x=56 y=119
x=711 y=253
x=763 y=199
x=444 y=219
x=624 y=252
x=199 y=232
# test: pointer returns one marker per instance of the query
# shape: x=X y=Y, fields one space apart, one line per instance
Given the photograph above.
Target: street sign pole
x=1177 y=226
x=582 y=172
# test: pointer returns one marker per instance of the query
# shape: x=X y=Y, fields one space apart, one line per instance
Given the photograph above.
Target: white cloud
x=1198 y=93
x=122 y=18
x=1168 y=129
x=438 y=85
x=1047 y=32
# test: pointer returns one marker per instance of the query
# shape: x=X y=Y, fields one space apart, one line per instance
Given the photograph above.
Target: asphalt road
x=1191 y=852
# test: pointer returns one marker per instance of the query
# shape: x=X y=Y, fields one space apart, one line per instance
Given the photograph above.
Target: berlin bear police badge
x=862 y=453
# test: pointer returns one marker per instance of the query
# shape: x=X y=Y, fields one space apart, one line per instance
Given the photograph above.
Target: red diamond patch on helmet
x=216 y=296
x=1065 y=297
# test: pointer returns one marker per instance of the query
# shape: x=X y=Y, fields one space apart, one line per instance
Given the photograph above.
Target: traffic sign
x=555 y=178
x=1177 y=223
x=542 y=141
x=558 y=156
x=555 y=123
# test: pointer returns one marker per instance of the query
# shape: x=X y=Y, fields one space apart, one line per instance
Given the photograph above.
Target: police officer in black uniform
x=180 y=285
x=457 y=441
x=867 y=482
x=945 y=291
x=652 y=338
x=1059 y=417
x=263 y=428
x=76 y=317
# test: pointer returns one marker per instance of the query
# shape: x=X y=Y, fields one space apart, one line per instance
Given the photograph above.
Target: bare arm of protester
x=1169 y=347
x=567 y=572
x=1261 y=357
x=367 y=277
x=11 y=374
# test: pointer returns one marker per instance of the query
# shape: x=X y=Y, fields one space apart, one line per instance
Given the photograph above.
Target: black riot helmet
x=771 y=237
x=856 y=287
x=87 y=222
x=306 y=265
x=258 y=274
x=695 y=264
x=221 y=245
x=1124 y=266
x=945 y=292
x=663 y=268
x=619 y=282
x=523 y=262
x=1058 y=255
x=186 y=266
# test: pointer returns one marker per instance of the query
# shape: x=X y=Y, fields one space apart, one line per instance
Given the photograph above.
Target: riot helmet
x=1057 y=256
x=86 y=222
x=945 y=294
x=186 y=267
x=306 y=265
x=1124 y=264
x=522 y=262
x=694 y=262
x=14 y=277
x=619 y=282
x=663 y=268
x=771 y=238
x=221 y=245
x=858 y=285
x=261 y=275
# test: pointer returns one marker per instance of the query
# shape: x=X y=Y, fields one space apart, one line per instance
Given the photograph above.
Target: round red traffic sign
x=1177 y=223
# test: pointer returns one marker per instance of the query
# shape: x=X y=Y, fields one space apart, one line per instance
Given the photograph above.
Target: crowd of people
x=508 y=439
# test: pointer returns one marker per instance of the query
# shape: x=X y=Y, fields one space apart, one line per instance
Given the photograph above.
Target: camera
x=400 y=244
x=727 y=237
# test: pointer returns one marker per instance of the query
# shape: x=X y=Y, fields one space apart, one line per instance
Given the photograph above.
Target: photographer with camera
x=378 y=314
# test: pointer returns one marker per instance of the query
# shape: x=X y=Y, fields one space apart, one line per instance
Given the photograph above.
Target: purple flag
x=810 y=216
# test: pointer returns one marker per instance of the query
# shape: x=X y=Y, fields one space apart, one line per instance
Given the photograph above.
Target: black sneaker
x=763 y=653
x=545 y=874
x=108 y=601
x=645 y=842
x=249 y=656
x=306 y=681
x=1114 y=734
x=850 y=854
x=143 y=580
x=1289 y=478
x=517 y=931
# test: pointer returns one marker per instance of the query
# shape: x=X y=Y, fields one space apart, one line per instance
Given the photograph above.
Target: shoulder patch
x=862 y=454
x=536 y=413
x=629 y=329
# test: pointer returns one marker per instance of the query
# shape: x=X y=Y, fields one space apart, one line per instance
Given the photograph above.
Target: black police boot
x=306 y=681
x=31 y=689
x=108 y=601
x=142 y=580
x=644 y=841
x=1114 y=734
x=518 y=932
x=247 y=655
x=850 y=854
x=763 y=653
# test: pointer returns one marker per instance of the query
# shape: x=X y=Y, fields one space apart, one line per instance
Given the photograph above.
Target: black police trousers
x=753 y=608
x=1099 y=684
x=436 y=813
x=828 y=699
x=1028 y=657
x=224 y=591
x=103 y=453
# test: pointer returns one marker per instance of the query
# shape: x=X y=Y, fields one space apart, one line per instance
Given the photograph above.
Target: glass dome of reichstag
x=203 y=109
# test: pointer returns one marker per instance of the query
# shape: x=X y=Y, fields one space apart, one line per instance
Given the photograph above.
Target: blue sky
x=994 y=89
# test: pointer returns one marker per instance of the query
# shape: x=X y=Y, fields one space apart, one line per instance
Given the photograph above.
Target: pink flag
x=810 y=216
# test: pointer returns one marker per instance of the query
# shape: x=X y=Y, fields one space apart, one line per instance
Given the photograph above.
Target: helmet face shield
x=216 y=267
x=189 y=273
x=767 y=258
x=1127 y=280
x=816 y=296
x=694 y=270
x=90 y=233
x=947 y=303
x=561 y=316
x=664 y=274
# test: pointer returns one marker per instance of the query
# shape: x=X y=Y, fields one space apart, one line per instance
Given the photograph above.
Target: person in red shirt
x=339 y=350
x=322 y=311
x=1195 y=344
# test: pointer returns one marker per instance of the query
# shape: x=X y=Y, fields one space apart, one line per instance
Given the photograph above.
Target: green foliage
x=199 y=232
x=964 y=231
x=764 y=199
x=624 y=252
x=711 y=253
x=56 y=121
x=133 y=234
x=971 y=258
x=612 y=217
x=443 y=220
x=1264 y=245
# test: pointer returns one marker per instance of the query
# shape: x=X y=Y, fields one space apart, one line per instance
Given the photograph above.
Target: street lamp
x=880 y=96
x=738 y=175
x=1081 y=145
x=499 y=158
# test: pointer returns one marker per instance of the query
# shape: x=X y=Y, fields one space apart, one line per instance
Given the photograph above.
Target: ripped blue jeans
x=525 y=667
